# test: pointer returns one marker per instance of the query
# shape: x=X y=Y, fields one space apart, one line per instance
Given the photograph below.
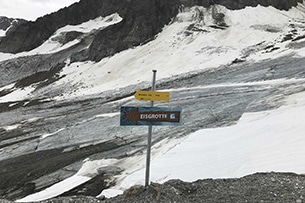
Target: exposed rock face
x=4 y=23
x=239 y=4
x=32 y=34
x=279 y=4
x=10 y=23
x=142 y=20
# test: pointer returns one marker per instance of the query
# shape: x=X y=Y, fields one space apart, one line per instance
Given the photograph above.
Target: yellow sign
x=152 y=96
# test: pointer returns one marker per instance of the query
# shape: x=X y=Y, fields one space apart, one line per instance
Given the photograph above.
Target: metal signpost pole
x=153 y=88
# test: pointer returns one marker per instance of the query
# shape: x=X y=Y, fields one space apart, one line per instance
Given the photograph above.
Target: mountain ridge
x=135 y=28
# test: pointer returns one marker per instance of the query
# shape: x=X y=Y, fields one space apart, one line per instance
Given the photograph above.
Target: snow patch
x=2 y=33
x=50 y=134
x=17 y=95
x=11 y=127
x=88 y=170
x=56 y=189
x=86 y=27
x=107 y=115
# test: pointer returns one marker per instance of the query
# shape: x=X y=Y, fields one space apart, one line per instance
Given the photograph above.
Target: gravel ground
x=258 y=187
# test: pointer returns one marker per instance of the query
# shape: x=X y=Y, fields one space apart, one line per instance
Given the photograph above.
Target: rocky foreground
x=259 y=187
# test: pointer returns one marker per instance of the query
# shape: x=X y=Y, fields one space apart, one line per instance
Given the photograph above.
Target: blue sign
x=131 y=115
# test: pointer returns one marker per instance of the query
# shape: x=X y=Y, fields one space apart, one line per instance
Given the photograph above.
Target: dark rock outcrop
x=5 y=23
x=32 y=34
x=9 y=24
x=142 y=20
x=239 y=4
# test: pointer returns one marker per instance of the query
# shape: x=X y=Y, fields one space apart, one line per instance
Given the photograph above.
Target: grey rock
x=142 y=20
x=10 y=23
x=259 y=187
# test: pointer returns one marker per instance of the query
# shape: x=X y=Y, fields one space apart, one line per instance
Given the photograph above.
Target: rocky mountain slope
x=142 y=21
x=65 y=76
x=9 y=24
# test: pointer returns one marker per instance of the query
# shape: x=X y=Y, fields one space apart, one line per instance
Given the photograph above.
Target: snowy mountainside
x=195 y=40
x=135 y=28
x=60 y=115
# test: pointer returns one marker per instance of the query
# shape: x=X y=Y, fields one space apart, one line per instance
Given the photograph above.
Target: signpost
x=131 y=115
x=152 y=96
x=150 y=116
